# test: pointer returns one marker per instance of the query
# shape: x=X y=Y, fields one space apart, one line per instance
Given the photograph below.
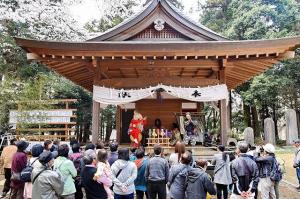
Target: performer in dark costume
x=190 y=128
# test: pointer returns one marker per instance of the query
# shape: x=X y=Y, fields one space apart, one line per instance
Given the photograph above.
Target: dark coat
x=245 y=174
x=177 y=180
x=113 y=156
x=198 y=184
x=19 y=162
x=92 y=188
x=265 y=165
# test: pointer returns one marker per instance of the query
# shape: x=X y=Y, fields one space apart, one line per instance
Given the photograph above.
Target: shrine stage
x=197 y=151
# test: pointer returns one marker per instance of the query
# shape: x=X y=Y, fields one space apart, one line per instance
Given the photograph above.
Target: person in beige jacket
x=5 y=164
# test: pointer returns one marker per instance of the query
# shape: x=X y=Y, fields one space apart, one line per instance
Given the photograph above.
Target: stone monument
x=269 y=131
x=291 y=126
x=249 y=136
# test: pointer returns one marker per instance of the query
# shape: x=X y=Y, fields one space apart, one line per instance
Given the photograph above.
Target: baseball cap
x=45 y=157
x=269 y=148
x=22 y=145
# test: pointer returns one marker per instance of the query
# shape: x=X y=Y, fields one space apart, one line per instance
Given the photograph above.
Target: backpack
x=25 y=175
x=78 y=165
x=276 y=173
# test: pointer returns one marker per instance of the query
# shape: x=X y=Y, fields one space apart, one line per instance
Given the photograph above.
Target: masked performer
x=190 y=128
x=136 y=128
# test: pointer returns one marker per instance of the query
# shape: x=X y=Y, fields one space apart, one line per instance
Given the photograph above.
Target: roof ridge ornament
x=159 y=24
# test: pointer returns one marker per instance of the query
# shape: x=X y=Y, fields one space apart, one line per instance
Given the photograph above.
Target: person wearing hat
x=19 y=162
x=265 y=163
x=297 y=161
x=36 y=150
x=46 y=183
x=5 y=164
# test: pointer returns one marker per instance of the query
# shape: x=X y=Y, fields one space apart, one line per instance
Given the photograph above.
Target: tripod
x=7 y=137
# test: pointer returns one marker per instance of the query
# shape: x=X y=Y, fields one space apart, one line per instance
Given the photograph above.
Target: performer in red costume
x=136 y=128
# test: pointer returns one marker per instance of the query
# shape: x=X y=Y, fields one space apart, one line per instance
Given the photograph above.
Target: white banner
x=40 y=116
x=120 y=96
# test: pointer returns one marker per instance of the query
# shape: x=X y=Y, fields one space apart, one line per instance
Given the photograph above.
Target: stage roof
x=159 y=45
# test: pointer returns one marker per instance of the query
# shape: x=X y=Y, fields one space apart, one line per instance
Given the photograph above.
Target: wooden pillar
x=95 y=122
x=224 y=121
x=118 y=123
x=223 y=105
x=229 y=110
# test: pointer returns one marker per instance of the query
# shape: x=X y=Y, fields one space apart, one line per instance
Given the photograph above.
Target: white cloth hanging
x=121 y=96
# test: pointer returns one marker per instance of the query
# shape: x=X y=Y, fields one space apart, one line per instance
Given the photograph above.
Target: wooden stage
x=197 y=151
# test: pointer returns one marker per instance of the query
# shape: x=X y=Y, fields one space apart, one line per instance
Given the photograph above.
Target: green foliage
x=30 y=81
x=270 y=92
x=252 y=19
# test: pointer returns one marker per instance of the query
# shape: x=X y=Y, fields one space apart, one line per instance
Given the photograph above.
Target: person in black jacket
x=244 y=174
x=92 y=188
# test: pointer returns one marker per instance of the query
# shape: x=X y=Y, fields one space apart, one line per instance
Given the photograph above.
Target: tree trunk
x=265 y=114
x=255 y=122
x=247 y=115
x=86 y=132
x=214 y=119
x=298 y=120
x=80 y=133
x=295 y=96
x=230 y=110
x=109 y=128
x=275 y=121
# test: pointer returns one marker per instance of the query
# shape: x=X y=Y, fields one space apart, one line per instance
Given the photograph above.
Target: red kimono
x=135 y=130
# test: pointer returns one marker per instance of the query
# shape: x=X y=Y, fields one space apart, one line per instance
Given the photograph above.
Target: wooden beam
x=179 y=63
x=76 y=71
x=196 y=73
x=60 y=64
x=222 y=76
x=63 y=58
x=288 y=55
x=32 y=56
x=153 y=81
x=68 y=66
x=240 y=66
x=98 y=69
x=212 y=73
x=182 y=71
x=255 y=64
x=137 y=72
x=238 y=76
x=80 y=78
x=121 y=72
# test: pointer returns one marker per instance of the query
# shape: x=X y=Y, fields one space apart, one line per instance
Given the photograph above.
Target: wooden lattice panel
x=167 y=33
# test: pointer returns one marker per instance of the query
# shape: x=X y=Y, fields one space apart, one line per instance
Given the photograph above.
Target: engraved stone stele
x=291 y=126
x=269 y=131
x=249 y=136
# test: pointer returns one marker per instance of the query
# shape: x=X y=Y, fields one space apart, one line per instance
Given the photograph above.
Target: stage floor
x=197 y=151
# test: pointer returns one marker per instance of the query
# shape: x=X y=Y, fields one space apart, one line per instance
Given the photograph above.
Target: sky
x=88 y=10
